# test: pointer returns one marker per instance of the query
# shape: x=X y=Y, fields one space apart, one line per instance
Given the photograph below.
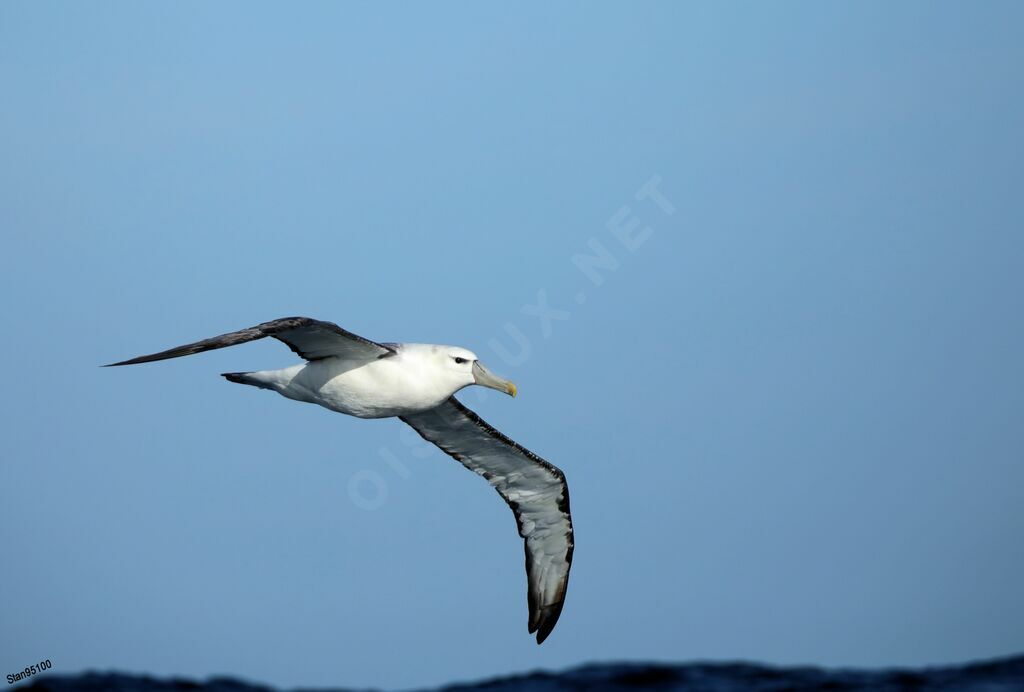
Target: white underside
x=392 y=386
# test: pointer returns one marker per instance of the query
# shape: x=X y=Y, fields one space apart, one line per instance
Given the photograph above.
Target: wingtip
x=544 y=620
x=134 y=361
x=545 y=629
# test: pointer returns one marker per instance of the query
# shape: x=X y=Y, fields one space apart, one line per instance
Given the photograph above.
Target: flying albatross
x=417 y=382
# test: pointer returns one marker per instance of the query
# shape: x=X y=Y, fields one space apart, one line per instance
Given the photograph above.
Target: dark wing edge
x=451 y=418
x=310 y=339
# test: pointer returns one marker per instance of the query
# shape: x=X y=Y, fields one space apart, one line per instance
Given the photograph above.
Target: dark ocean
x=1002 y=675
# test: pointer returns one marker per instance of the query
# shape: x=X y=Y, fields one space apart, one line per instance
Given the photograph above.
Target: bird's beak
x=485 y=377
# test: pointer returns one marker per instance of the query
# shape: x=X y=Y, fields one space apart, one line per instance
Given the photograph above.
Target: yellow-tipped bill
x=486 y=378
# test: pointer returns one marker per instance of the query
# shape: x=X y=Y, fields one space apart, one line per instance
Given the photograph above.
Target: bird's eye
x=459 y=360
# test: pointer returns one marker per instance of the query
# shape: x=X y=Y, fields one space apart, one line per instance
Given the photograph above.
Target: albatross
x=349 y=374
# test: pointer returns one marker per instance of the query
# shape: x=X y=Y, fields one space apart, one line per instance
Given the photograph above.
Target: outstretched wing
x=534 y=489
x=311 y=339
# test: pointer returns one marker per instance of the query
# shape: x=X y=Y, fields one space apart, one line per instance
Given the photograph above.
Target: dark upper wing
x=534 y=489
x=311 y=339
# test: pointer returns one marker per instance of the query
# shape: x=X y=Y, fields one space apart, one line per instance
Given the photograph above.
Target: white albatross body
x=415 y=379
x=346 y=373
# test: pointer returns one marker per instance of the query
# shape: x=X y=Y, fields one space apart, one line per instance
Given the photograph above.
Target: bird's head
x=460 y=367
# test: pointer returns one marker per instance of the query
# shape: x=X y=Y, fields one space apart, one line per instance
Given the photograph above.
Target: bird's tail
x=245 y=378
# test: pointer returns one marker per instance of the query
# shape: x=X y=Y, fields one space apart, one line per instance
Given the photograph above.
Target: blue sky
x=790 y=416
